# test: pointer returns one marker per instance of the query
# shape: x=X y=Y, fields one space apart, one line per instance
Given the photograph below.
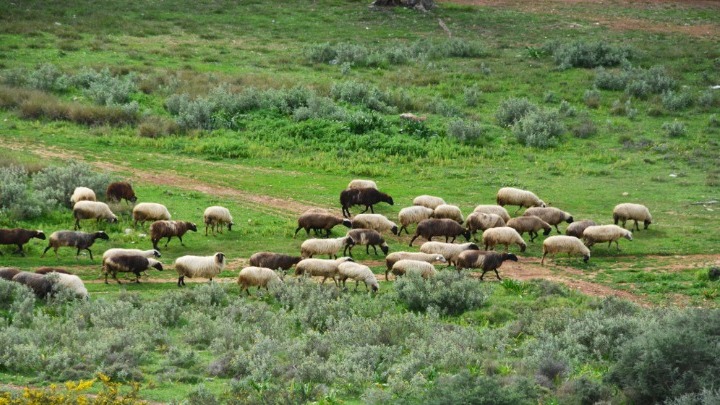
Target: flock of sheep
x=431 y=216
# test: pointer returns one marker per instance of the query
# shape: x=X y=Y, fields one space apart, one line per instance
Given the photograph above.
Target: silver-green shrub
x=448 y=292
x=539 y=129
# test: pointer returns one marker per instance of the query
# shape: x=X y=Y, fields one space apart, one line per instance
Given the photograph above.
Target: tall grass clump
x=56 y=184
x=589 y=54
x=512 y=110
x=449 y=293
x=539 y=129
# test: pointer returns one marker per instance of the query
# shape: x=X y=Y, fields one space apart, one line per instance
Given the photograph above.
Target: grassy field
x=271 y=110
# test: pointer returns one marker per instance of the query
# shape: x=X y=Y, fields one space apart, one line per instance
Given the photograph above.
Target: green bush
x=611 y=79
x=512 y=110
x=674 y=129
x=468 y=132
x=361 y=94
x=592 y=98
x=676 y=356
x=106 y=89
x=676 y=101
x=585 y=128
x=708 y=100
x=448 y=292
x=539 y=129
x=589 y=55
x=472 y=96
x=16 y=199
x=47 y=77
x=56 y=184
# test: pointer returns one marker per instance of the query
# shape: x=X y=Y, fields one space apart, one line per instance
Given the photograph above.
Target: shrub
x=16 y=199
x=320 y=53
x=707 y=396
x=449 y=292
x=589 y=55
x=708 y=100
x=361 y=122
x=360 y=94
x=47 y=77
x=442 y=107
x=567 y=110
x=467 y=132
x=197 y=114
x=611 y=79
x=106 y=89
x=714 y=121
x=153 y=127
x=676 y=101
x=540 y=129
x=464 y=388
x=56 y=184
x=585 y=128
x=512 y=110
x=674 y=129
x=674 y=357
x=472 y=96
x=585 y=391
x=592 y=98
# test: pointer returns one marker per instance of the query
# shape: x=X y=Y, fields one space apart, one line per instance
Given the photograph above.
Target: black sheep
x=427 y=228
x=274 y=261
x=19 y=237
x=362 y=196
x=485 y=260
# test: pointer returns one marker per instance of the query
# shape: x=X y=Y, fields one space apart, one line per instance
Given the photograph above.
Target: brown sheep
x=362 y=196
x=120 y=190
x=485 y=260
x=168 y=229
x=577 y=228
x=273 y=261
x=448 y=228
x=319 y=220
x=19 y=237
x=80 y=240
x=7 y=273
x=530 y=224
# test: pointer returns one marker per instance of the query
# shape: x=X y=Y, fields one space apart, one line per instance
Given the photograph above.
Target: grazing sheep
x=413 y=215
x=516 y=196
x=329 y=247
x=576 y=228
x=367 y=237
x=199 y=266
x=406 y=266
x=48 y=270
x=377 y=222
x=362 y=196
x=450 y=251
x=8 y=273
x=128 y=264
x=450 y=212
x=530 y=224
x=71 y=282
x=480 y=221
x=120 y=190
x=487 y=261
x=80 y=240
x=144 y=253
x=357 y=183
x=319 y=219
x=551 y=215
x=215 y=217
x=413 y=117
x=605 y=233
x=19 y=237
x=92 y=210
x=149 y=212
x=38 y=283
x=503 y=235
x=636 y=212
x=321 y=268
x=357 y=272
x=493 y=209
x=424 y=257
x=428 y=201
x=256 y=276
x=168 y=229
x=275 y=261
x=448 y=228
x=82 y=194
x=564 y=244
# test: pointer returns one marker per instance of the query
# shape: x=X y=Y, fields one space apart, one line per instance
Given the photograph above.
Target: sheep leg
x=367 y=249
x=413 y=239
x=453 y=239
x=327 y=233
x=137 y=277
x=519 y=208
x=296 y=231
x=557 y=229
x=88 y=249
x=401 y=229
x=181 y=242
x=20 y=250
x=542 y=262
x=483 y=274
x=154 y=243
x=356 y=284
x=636 y=225
x=168 y=240
x=497 y=274
x=206 y=227
x=617 y=244
x=533 y=235
x=374 y=250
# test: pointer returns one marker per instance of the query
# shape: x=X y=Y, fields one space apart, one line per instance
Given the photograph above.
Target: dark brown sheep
x=38 y=283
x=319 y=220
x=8 y=273
x=530 y=224
x=273 y=261
x=120 y=190
x=129 y=264
x=362 y=196
x=367 y=237
x=19 y=237
x=427 y=228
x=46 y=270
x=485 y=260
x=168 y=229
x=577 y=228
x=80 y=240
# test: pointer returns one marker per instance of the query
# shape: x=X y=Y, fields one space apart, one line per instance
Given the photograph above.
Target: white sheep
x=357 y=272
x=119 y=251
x=92 y=210
x=503 y=235
x=256 y=276
x=149 y=212
x=413 y=215
x=321 y=268
x=424 y=257
x=82 y=194
x=516 y=196
x=215 y=217
x=376 y=222
x=428 y=201
x=564 y=244
x=73 y=283
x=450 y=251
x=405 y=266
x=199 y=266
x=329 y=247
x=636 y=212
x=605 y=233
x=493 y=209
x=480 y=221
x=450 y=212
x=358 y=183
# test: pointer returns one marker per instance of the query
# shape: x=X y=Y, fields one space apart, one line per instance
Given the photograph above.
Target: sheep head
x=40 y=235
